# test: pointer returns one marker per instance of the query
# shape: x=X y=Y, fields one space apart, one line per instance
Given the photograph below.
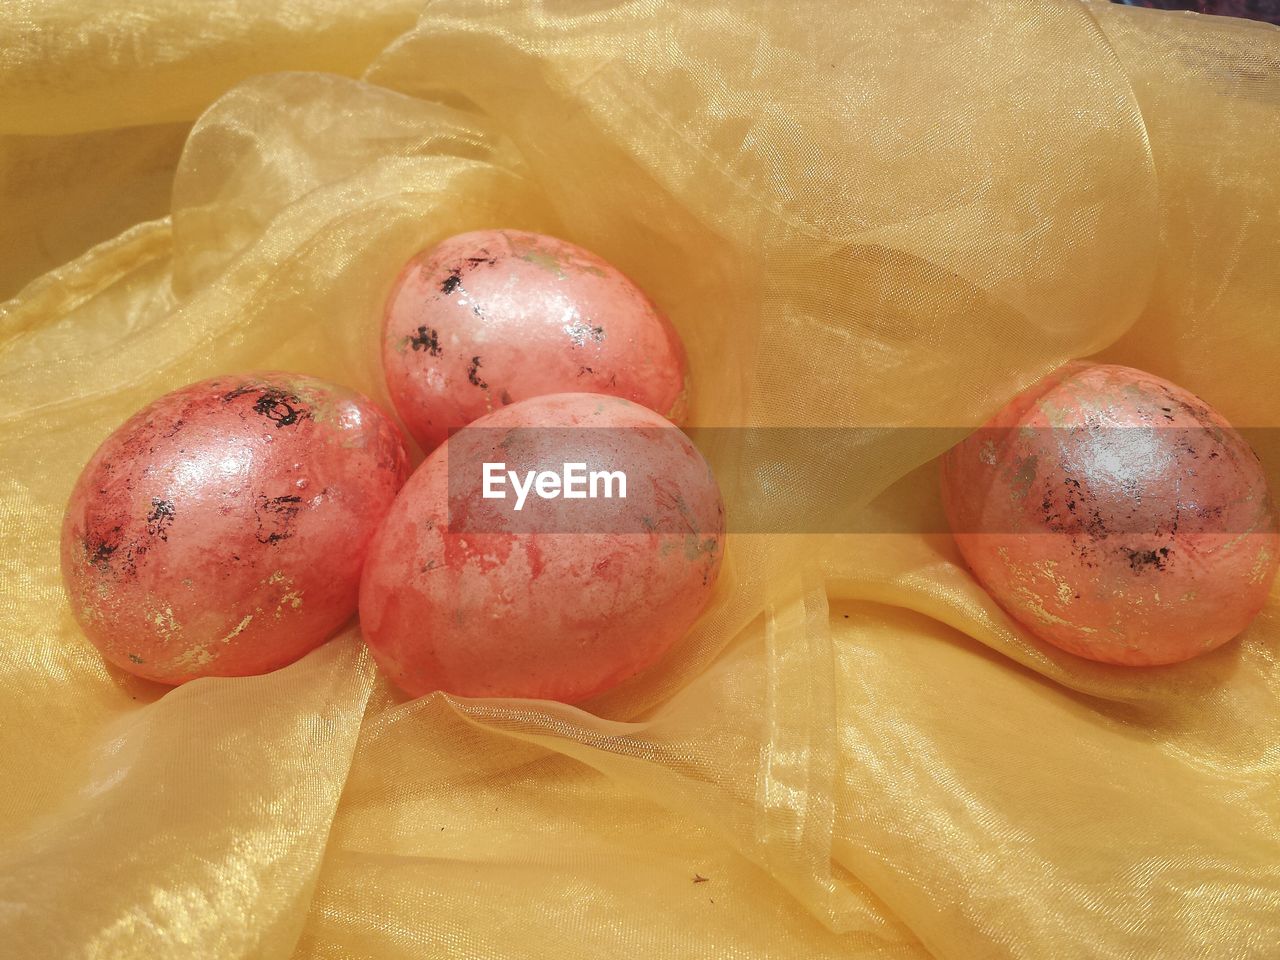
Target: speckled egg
x=220 y=531
x=1116 y=516
x=488 y=318
x=559 y=597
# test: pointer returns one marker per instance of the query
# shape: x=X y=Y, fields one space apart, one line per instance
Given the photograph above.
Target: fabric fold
x=863 y=218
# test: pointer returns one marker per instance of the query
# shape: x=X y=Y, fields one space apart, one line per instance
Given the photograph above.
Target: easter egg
x=488 y=318
x=1115 y=515
x=476 y=590
x=220 y=531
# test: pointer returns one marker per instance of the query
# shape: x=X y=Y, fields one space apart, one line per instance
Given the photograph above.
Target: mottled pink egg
x=488 y=318
x=1116 y=516
x=559 y=598
x=220 y=531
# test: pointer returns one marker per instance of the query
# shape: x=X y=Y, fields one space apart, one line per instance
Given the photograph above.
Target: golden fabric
x=856 y=214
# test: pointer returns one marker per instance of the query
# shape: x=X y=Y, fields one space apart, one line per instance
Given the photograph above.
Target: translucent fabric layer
x=857 y=214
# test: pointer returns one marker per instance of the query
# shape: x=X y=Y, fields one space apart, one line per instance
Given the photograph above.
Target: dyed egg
x=557 y=597
x=220 y=531
x=1116 y=516
x=488 y=318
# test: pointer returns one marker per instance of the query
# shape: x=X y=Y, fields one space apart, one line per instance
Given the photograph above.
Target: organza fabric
x=857 y=214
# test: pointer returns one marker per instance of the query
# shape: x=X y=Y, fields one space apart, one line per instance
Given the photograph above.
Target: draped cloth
x=857 y=215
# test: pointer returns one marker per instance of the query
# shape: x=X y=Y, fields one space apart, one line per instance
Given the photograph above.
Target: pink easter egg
x=488 y=318
x=220 y=530
x=556 y=598
x=1116 y=516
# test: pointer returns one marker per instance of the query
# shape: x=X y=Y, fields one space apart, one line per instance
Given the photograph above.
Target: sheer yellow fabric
x=856 y=214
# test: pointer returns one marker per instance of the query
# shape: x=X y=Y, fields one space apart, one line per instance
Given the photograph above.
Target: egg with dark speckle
x=487 y=318
x=562 y=592
x=220 y=531
x=1115 y=515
